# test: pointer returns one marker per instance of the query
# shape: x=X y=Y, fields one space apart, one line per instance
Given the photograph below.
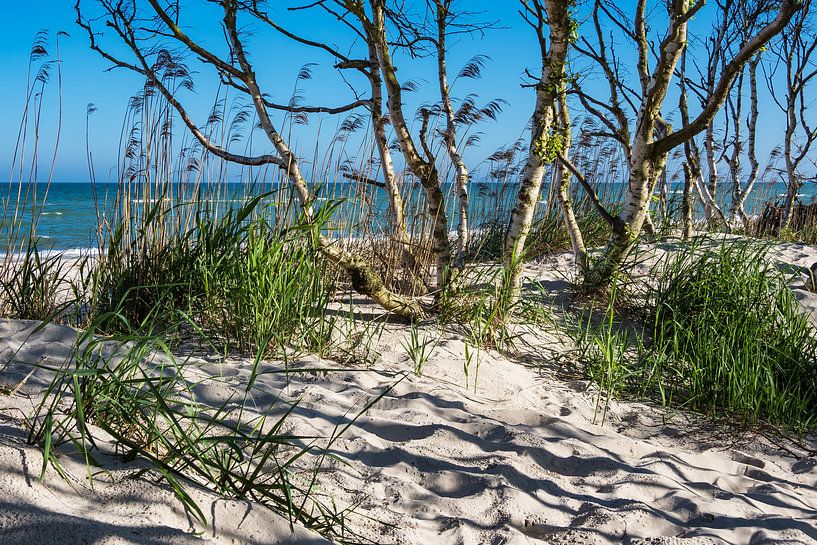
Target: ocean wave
x=69 y=253
x=187 y=202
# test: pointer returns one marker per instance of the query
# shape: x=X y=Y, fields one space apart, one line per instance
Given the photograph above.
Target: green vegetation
x=732 y=335
x=548 y=234
x=713 y=328
x=723 y=334
x=249 y=284
x=132 y=386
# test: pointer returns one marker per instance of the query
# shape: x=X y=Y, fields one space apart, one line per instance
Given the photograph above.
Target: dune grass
x=251 y=285
x=723 y=335
x=548 y=234
x=42 y=286
x=733 y=336
x=153 y=404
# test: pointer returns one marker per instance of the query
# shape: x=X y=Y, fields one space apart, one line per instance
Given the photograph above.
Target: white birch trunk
x=450 y=137
x=562 y=179
x=550 y=85
x=424 y=169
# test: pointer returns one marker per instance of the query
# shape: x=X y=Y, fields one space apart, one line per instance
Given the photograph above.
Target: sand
x=522 y=458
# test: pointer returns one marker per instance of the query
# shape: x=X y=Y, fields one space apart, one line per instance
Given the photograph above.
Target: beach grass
x=721 y=333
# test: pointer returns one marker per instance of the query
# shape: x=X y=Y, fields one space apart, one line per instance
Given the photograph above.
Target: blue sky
x=86 y=80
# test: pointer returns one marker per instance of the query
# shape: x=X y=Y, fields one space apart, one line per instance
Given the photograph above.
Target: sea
x=70 y=212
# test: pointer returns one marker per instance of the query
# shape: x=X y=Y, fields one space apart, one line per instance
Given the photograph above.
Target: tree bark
x=542 y=145
x=688 y=203
x=563 y=194
x=396 y=207
x=424 y=168
x=450 y=136
x=754 y=164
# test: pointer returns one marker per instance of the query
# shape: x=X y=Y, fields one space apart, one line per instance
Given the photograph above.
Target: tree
x=420 y=159
x=552 y=23
x=442 y=16
x=369 y=67
x=652 y=137
x=796 y=53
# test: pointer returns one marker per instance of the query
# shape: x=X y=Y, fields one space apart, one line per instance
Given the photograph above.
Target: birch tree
x=741 y=190
x=386 y=27
x=142 y=27
x=745 y=18
x=795 y=53
x=368 y=66
x=551 y=20
x=442 y=10
x=652 y=136
x=419 y=158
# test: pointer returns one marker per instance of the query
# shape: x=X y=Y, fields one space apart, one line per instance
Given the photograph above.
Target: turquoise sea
x=68 y=220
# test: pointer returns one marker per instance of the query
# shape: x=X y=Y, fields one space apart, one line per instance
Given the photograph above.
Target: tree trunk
x=793 y=182
x=396 y=209
x=644 y=172
x=542 y=145
x=754 y=164
x=424 y=169
x=450 y=137
x=364 y=279
x=562 y=183
x=737 y=150
x=792 y=190
x=688 y=203
x=712 y=180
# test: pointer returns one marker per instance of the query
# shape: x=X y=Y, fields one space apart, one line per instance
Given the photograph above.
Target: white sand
x=519 y=460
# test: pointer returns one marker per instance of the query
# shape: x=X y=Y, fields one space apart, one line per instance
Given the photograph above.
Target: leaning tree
x=151 y=38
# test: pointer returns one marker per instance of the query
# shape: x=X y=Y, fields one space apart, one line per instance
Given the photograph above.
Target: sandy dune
x=520 y=459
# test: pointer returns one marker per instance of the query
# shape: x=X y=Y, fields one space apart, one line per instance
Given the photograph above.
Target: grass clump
x=270 y=289
x=734 y=336
x=722 y=334
x=35 y=285
x=548 y=234
x=153 y=404
x=251 y=285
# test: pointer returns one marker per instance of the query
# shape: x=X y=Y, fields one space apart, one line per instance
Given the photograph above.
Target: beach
x=518 y=456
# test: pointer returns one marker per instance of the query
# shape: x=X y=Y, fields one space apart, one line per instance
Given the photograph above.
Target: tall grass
x=723 y=334
x=184 y=256
x=732 y=335
x=548 y=233
x=269 y=290
x=43 y=286
x=250 y=285
x=33 y=284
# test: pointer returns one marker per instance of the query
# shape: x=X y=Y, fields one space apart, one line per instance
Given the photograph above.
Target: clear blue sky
x=85 y=79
